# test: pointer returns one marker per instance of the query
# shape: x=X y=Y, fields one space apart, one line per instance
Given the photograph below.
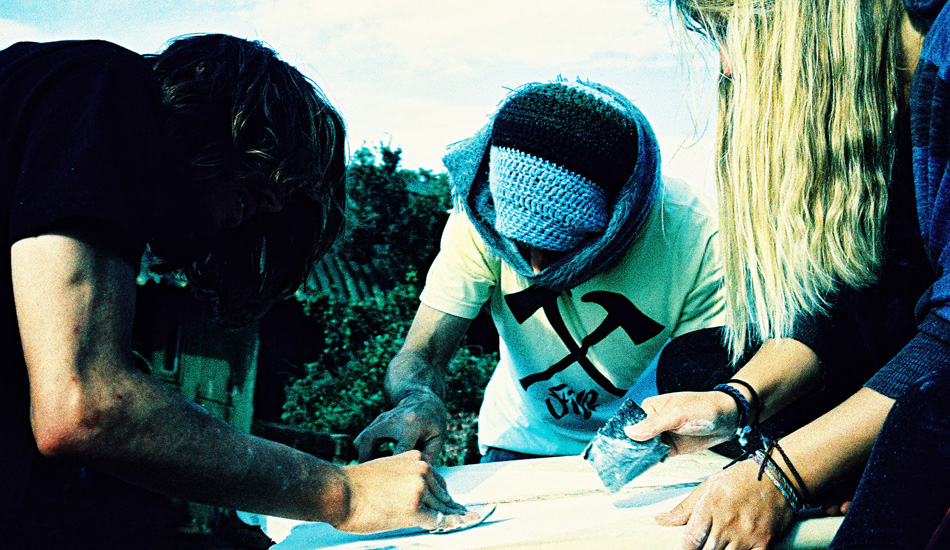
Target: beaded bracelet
x=767 y=464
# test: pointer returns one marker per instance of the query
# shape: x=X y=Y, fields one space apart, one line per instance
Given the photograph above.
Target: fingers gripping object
x=617 y=458
x=475 y=516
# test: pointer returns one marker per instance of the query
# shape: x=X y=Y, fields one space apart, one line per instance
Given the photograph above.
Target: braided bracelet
x=744 y=425
x=756 y=402
x=767 y=465
x=804 y=494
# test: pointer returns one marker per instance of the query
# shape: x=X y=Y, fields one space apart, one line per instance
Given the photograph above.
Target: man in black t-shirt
x=229 y=164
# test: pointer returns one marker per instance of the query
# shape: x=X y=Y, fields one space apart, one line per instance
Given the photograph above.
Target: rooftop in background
x=343 y=279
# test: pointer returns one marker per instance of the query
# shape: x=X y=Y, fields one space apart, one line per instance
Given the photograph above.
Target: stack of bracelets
x=748 y=420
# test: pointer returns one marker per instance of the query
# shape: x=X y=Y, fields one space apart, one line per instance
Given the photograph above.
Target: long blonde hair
x=806 y=144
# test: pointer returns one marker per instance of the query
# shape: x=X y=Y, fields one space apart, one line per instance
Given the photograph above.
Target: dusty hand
x=397 y=492
x=417 y=422
x=732 y=509
x=689 y=421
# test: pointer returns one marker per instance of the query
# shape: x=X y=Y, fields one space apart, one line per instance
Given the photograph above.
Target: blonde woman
x=818 y=196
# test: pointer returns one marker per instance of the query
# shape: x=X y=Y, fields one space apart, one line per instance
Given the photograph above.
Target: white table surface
x=546 y=503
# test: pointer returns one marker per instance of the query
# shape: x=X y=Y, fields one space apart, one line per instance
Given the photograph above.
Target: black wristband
x=745 y=412
x=756 y=402
x=803 y=493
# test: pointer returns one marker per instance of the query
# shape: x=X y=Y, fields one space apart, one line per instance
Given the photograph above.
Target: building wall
x=178 y=340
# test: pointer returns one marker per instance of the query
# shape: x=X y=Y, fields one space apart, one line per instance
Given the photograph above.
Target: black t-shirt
x=80 y=145
x=866 y=327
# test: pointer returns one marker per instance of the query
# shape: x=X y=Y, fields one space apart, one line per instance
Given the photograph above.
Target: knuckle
x=422 y=465
x=694 y=538
x=415 y=502
x=415 y=455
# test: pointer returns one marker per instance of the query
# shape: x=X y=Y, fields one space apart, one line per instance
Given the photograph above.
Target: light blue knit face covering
x=595 y=253
x=573 y=206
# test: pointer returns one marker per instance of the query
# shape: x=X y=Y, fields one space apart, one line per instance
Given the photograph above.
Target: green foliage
x=342 y=391
x=395 y=219
x=394 y=216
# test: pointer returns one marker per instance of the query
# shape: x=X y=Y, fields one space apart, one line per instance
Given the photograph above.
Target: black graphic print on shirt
x=621 y=314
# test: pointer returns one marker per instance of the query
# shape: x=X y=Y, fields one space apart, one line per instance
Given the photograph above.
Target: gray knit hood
x=467 y=164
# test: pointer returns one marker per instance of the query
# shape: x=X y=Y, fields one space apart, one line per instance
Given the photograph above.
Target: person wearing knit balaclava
x=588 y=259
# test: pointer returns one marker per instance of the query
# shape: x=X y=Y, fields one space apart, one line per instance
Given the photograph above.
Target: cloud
x=418 y=74
x=459 y=37
x=13 y=31
x=427 y=72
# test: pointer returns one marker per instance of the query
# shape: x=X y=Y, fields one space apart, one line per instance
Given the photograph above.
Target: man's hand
x=417 y=422
x=415 y=382
x=688 y=421
x=75 y=306
x=398 y=492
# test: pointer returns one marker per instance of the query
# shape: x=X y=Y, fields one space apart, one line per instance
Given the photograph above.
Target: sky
x=420 y=75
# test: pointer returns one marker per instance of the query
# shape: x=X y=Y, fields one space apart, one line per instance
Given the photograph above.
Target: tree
x=394 y=216
x=395 y=219
x=342 y=392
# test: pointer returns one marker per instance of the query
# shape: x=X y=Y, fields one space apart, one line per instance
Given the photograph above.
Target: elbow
x=58 y=442
x=68 y=428
x=84 y=418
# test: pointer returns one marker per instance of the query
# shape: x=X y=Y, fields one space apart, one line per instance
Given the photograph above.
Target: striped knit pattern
x=570 y=127
x=559 y=155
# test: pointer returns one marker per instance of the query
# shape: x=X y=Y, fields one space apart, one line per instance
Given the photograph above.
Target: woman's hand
x=732 y=509
x=689 y=421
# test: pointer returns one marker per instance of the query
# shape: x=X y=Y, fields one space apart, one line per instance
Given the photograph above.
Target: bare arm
x=75 y=304
x=415 y=387
x=781 y=372
x=420 y=365
x=839 y=441
x=735 y=508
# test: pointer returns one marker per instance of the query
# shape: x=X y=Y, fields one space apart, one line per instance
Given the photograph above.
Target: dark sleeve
x=930 y=134
x=808 y=330
x=927 y=352
x=930 y=126
x=88 y=142
x=924 y=10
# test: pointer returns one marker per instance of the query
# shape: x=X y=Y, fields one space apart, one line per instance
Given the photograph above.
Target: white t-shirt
x=553 y=389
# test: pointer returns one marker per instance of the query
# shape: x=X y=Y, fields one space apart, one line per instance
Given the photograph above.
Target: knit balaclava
x=468 y=164
x=559 y=154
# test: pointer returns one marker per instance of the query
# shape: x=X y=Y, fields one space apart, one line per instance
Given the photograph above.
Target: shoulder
x=77 y=81
x=683 y=203
x=683 y=225
x=936 y=46
x=82 y=50
x=680 y=234
x=461 y=235
x=72 y=59
x=99 y=172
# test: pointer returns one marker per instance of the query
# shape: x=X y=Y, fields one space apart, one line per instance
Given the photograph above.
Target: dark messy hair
x=235 y=112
